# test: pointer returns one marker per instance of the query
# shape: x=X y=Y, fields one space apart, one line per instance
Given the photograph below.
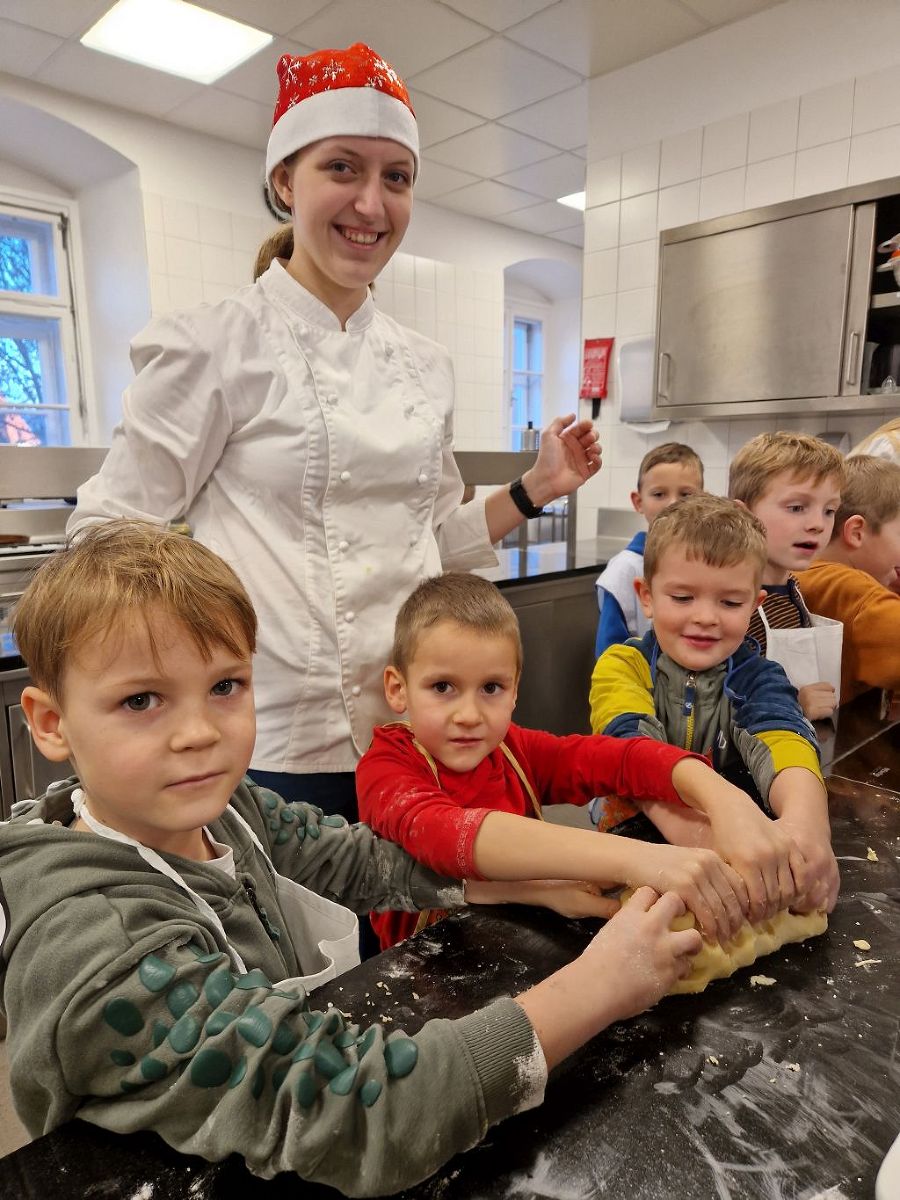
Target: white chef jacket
x=317 y=462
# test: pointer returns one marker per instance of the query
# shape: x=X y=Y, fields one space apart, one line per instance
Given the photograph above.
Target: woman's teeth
x=361 y=239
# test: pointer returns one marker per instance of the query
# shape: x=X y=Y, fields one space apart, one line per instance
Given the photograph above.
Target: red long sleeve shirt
x=400 y=800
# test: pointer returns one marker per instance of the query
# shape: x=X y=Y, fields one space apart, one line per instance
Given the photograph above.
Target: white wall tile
x=156 y=253
x=405 y=269
x=725 y=144
x=598 y=316
x=770 y=181
x=153 y=218
x=215 y=227
x=773 y=130
x=247 y=232
x=637 y=265
x=722 y=193
x=640 y=170
x=445 y=277
x=826 y=115
x=680 y=157
x=636 y=312
x=185 y=292
x=679 y=205
x=214 y=292
x=424 y=272
x=183 y=258
x=216 y=264
x=180 y=219
x=603 y=181
x=600 y=273
x=638 y=218
x=822 y=168
x=874 y=155
x=876 y=101
x=601 y=227
x=159 y=294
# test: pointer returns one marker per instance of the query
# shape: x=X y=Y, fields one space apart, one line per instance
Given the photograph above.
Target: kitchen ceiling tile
x=618 y=39
x=554 y=177
x=499 y=14
x=411 y=34
x=438 y=121
x=722 y=12
x=496 y=78
x=276 y=16
x=561 y=119
x=23 y=50
x=574 y=236
x=490 y=150
x=487 y=199
x=560 y=33
x=74 y=68
x=257 y=78
x=73 y=17
x=231 y=117
x=541 y=218
x=435 y=180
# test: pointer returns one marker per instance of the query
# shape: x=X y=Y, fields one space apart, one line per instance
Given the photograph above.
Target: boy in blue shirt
x=666 y=474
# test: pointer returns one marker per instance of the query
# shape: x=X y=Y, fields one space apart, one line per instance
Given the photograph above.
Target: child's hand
x=822 y=878
x=639 y=952
x=818 y=701
x=567 y=897
x=706 y=885
x=764 y=854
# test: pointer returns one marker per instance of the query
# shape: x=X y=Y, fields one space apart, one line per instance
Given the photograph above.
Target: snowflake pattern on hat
x=326 y=70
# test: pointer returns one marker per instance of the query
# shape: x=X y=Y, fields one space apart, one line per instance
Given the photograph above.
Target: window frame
x=60 y=214
x=533 y=313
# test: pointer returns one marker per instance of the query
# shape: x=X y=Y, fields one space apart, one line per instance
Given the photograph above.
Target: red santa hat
x=330 y=93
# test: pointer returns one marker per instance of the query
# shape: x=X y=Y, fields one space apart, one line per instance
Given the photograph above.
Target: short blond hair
x=670 y=452
x=871 y=490
x=712 y=530
x=119 y=569
x=769 y=454
x=467 y=600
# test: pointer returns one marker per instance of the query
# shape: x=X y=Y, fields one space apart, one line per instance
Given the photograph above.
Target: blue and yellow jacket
x=743 y=714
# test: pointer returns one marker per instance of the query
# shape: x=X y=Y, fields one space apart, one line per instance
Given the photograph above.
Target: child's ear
x=637 y=503
x=741 y=504
x=45 y=722
x=854 y=531
x=395 y=690
x=759 y=599
x=642 y=591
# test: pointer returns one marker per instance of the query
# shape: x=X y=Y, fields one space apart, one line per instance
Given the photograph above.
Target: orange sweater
x=871 y=617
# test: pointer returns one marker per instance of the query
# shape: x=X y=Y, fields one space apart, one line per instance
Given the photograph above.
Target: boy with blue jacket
x=696 y=681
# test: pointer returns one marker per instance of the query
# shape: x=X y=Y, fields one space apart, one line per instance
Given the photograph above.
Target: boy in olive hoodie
x=153 y=970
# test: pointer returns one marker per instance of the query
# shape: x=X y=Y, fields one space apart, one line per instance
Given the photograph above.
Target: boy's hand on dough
x=706 y=885
x=763 y=853
x=822 y=879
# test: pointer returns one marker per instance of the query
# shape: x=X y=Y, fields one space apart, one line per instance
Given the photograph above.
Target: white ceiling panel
x=410 y=34
x=498 y=77
x=556 y=176
x=560 y=32
x=275 y=16
x=721 y=12
x=55 y=16
x=74 y=68
x=231 y=117
x=257 y=78
x=574 y=236
x=23 y=50
x=619 y=37
x=435 y=180
x=540 y=218
x=488 y=199
x=489 y=151
x=561 y=119
x=499 y=14
x=438 y=121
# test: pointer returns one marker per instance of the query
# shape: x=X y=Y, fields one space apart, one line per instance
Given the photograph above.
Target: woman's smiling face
x=351 y=199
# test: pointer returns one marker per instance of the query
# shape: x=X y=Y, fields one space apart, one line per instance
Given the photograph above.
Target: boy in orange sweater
x=852 y=580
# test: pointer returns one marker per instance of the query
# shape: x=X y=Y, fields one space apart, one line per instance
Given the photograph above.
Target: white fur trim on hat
x=348 y=112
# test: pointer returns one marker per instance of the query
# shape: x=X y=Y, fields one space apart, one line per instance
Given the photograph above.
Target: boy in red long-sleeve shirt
x=453 y=785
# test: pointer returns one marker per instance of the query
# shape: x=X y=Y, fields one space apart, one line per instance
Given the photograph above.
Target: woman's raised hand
x=569 y=453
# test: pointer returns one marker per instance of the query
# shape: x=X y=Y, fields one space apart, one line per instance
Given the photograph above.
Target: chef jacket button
x=343 y=546
x=350 y=616
x=423 y=478
x=332 y=398
x=389 y=351
x=345 y=476
x=409 y=410
x=356 y=689
x=413 y=538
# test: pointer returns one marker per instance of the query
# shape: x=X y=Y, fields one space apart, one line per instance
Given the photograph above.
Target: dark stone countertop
x=552 y=560
x=789 y=1091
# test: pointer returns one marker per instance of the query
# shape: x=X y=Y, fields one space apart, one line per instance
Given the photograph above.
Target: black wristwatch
x=521 y=499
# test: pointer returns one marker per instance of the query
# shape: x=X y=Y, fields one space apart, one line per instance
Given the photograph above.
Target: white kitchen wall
x=783 y=144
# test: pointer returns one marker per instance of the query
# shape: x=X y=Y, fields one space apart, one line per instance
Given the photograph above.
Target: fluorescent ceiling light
x=173 y=36
x=573 y=200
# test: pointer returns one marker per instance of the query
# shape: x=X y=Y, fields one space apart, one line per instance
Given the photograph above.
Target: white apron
x=810 y=655
x=325 y=935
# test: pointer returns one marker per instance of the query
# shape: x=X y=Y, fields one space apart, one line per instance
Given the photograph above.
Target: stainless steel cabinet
x=24 y=772
x=767 y=311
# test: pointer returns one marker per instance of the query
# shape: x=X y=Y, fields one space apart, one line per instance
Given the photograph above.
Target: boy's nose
x=194 y=730
x=467 y=711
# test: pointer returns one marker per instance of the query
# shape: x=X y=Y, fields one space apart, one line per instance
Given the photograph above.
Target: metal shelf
x=886 y=300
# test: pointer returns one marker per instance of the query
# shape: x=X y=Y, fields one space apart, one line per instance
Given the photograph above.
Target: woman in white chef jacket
x=306 y=437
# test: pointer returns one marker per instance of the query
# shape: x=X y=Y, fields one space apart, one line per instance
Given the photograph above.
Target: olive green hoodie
x=125 y=1009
